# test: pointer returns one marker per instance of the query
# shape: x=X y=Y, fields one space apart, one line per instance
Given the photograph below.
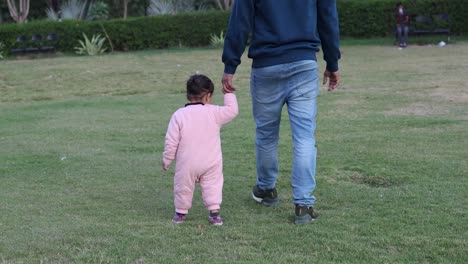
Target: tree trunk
x=224 y=4
x=125 y=8
x=220 y=6
x=20 y=15
x=84 y=11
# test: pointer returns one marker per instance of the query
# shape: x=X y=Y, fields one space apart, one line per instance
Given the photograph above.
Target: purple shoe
x=216 y=220
x=179 y=218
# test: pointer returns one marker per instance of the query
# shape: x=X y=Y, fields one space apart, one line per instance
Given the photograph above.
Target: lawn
x=81 y=181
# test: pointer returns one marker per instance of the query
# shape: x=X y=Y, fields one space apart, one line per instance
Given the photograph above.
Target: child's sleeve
x=230 y=109
x=172 y=140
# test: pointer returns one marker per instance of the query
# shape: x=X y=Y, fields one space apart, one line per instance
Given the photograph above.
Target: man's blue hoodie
x=283 y=31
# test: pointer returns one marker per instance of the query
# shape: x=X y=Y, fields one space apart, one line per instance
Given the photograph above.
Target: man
x=286 y=35
x=402 y=21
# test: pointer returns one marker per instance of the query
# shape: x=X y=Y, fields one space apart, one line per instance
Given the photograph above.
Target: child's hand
x=165 y=166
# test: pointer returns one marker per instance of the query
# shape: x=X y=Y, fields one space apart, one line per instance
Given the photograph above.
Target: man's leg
x=405 y=35
x=400 y=35
x=302 y=109
x=268 y=97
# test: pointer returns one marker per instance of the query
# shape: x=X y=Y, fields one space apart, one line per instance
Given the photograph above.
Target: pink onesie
x=193 y=139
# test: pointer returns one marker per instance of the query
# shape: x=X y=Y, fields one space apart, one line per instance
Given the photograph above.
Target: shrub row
x=188 y=30
x=358 y=18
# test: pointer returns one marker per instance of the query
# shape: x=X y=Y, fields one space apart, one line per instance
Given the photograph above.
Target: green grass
x=81 y=180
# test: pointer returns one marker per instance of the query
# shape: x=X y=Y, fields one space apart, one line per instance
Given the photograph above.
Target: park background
x=192 y=23
x=81 y=139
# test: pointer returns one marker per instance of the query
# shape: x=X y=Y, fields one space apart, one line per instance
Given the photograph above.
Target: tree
x=19 y=15
x=224 y=4
x=118 y=6
x=125 y=8
x=54 y=5
x=87 y=5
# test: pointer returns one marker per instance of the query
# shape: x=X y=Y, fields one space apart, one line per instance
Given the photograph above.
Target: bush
x=217 y=41
x=98 y=11
x=157 y=32
x=92 y=47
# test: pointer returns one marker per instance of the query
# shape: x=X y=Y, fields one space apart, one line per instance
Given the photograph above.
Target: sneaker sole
x=266 y=203
x=217 y=224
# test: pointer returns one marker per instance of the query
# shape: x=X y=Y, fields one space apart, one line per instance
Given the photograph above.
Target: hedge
x=358 y=18
x=188 y=30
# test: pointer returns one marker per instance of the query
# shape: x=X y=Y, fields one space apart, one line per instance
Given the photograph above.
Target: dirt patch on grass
x=435 y=99
x=342 y=107
x=349 y=101
x=456 y=96
x=419 y=109
x=374 y=181
x=362 y=177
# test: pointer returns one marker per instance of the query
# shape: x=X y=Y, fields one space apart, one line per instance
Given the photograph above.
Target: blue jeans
x=296 y=85
x=402 y=34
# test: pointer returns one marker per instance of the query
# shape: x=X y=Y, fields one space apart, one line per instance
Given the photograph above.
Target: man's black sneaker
x=265 y=197
x=304 y=214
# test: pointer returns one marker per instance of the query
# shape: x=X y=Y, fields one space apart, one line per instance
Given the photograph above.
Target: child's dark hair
x=199 y=85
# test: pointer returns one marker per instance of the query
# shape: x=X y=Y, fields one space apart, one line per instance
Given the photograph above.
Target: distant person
x=285 y=37
x=402 y=22
x=193 y=140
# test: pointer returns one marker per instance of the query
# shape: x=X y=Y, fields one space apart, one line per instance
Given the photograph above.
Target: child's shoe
x=216 y=220
x=179 y=218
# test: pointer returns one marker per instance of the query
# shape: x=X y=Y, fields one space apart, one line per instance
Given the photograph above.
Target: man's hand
x=333 y=79
x=228 y=87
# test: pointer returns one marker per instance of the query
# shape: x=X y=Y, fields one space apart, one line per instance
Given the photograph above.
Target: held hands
x=228 y=87
x=333 y=79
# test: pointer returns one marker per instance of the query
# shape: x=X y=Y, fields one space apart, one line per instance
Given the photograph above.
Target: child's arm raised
x=230 y=109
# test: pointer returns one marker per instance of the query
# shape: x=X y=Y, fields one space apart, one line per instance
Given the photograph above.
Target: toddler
x=193 y=140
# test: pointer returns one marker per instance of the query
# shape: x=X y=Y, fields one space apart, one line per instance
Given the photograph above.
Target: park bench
x=37 y=44
x=426 y=25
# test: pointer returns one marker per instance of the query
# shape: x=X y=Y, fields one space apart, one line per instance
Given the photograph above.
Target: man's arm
x=240 y=24
x=328 y=28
